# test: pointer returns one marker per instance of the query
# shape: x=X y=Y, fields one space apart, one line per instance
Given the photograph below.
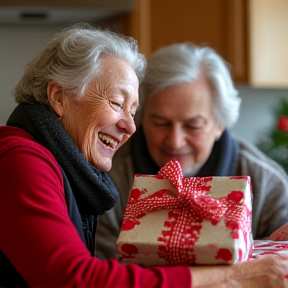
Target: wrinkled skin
x=179 y=124
x=264 y=272
x=102 y=119
x=281 y=234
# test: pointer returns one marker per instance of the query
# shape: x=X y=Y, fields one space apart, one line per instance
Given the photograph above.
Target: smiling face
x=178 y=123
x=102 y=119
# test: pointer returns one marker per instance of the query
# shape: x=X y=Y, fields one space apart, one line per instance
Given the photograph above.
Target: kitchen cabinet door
x=221 y=24
x=251 y=35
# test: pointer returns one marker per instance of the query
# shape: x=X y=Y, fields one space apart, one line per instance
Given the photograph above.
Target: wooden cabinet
x=249 y=34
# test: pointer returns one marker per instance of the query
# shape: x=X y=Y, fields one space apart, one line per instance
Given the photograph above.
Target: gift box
x=269 y=247
x=172 y=220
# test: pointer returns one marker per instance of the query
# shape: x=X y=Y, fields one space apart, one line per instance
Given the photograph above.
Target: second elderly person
x=188 y=103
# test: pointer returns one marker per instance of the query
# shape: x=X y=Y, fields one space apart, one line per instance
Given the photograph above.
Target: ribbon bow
x=192 y=197
x=193 y=194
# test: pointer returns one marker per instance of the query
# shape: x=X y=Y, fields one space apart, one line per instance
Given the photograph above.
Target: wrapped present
x=173 y=220
x=269 y=247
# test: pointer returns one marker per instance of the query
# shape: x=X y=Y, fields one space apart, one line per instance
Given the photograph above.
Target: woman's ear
x=55 y=98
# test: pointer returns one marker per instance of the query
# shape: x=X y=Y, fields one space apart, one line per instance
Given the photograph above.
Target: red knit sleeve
x=41 y=241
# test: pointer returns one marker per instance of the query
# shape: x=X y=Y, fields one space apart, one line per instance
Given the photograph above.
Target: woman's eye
x=116 y=105
x=194 y=128
x=133 y=113
x=196 y=125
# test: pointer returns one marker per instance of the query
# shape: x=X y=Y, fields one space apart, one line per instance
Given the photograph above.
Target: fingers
x=264 y=271
x=280 y=234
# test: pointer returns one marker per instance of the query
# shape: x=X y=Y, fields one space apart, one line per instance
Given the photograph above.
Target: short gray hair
x=184 y=63
x=72 y=58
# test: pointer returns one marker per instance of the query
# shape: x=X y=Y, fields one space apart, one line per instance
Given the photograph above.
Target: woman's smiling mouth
x=107 y=140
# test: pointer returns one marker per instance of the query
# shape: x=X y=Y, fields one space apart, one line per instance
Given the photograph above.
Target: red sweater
x=38 y=236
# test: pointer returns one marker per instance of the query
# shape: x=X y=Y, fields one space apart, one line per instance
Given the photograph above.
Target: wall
x=18 y=44
x=256 y=113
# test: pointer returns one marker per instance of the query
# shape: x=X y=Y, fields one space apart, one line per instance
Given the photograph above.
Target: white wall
x=257 y=111
x=19 y=44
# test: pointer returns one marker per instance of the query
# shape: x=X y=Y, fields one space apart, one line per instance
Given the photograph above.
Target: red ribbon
x=192 y=196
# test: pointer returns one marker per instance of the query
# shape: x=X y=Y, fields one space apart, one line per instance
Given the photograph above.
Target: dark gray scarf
x=93 y=190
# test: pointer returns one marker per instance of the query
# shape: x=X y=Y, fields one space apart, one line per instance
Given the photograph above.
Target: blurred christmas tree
x=275 y=144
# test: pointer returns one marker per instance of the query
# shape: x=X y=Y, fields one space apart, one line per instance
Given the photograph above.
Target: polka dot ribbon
x=192 y=196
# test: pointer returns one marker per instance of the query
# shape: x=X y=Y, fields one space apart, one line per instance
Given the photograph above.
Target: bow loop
x=172 y=171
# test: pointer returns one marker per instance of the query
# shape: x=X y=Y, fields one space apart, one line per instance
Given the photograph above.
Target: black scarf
x=221 y=162
x=93 y=190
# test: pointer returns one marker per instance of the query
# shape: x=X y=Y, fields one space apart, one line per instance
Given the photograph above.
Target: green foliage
x=275 y=143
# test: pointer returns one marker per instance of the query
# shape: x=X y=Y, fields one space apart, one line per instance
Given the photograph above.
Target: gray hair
x=185 y=62
x=72 y=58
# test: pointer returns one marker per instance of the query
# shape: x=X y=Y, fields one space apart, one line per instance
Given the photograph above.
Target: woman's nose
x=175 y=138
x=126 y=125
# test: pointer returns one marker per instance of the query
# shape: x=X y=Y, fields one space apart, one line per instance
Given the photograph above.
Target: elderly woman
x=188 y=103
x=77 y=100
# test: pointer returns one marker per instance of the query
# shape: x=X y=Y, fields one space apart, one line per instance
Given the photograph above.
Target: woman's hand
x=280 y=234
x=266 y=271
